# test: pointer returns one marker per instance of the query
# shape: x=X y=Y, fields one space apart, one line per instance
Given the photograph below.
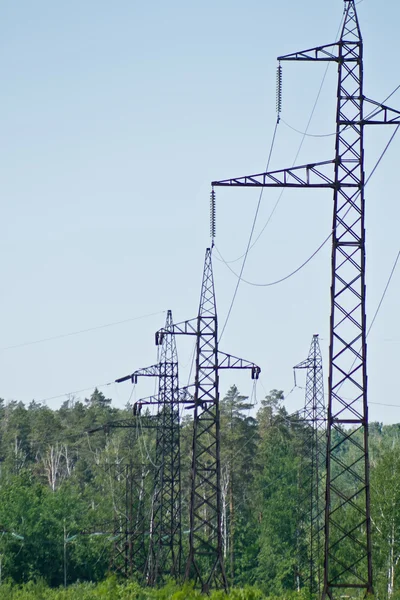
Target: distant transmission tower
x=347 y=564
x=165 y=534
x=129 y=531
x=312 y=474
x=205 y=561
x=125 y=485
x=165 y=537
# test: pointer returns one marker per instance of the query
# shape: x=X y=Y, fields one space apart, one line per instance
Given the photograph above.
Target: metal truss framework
x=125 y=484
x=131 y=497
x=166 y=528
x=347 y=564
x=130 y=552
x=312 y=474
x=165 y=536
x=205 y=560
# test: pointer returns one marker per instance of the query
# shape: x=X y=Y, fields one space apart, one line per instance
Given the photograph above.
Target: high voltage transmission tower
x=312 y=474
x=129 y=532
x=347 y=562
x=205 y=560
x=126 y=486
x=166 y=526
x=165 y=535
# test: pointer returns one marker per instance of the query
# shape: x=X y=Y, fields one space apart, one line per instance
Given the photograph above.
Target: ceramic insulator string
x=212 y=215
x=279 y=90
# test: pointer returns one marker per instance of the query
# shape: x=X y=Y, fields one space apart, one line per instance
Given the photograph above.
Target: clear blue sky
x=115 y=117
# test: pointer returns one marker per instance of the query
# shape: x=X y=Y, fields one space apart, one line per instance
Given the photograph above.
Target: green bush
x=111 y=589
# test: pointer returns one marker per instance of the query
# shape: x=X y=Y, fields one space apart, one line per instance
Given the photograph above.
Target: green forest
x=59 y=492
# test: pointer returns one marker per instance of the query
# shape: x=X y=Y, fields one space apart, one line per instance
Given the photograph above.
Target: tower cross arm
x=182 y=396
x=227 y=361
x=184 y=328
x=318 y=175
x=305 y=364
x=185 y=397
x=381 y=114
x=329 y=52
x=152 y=371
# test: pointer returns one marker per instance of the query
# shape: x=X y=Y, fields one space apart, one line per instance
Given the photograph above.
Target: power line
x=384 y=404
x=63 y=335
x=369 y=330
x=315 y=135
x=252 y=283
x=304 y=134
x=369 y=402
x=384 y=292
x=249 y=246
x=323 y=135
x=101 y=385
x=250 y=237
x=378 y=307
x=271 y=283
x=294 y=160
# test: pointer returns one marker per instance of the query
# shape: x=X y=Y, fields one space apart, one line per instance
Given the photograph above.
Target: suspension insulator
x=279 y=90
x=212 y=215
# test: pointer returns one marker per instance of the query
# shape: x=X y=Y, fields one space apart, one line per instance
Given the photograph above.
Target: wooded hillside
x=61 y=486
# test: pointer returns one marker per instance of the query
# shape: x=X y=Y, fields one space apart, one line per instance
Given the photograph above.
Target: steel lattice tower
x=130 y=551
x=312 y=474
x=165 y=544
x=128 y=526
x=347 y=563
x=205 y=561
x=166 y=535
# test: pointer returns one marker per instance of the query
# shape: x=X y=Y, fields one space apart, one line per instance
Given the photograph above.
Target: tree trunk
x=232 y=529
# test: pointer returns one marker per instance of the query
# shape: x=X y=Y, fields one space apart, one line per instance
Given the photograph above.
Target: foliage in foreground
x=110 y=589
x=61 y=490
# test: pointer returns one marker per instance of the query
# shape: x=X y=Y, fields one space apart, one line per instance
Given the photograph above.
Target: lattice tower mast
x=166 y=530
x=129 y=554
x=131 y=499
x=205 y=560
x=165 y=545
x=312 y=474
x=128 y=525
x=347 y=564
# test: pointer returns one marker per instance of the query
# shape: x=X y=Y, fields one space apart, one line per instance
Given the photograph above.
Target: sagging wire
x=145 y=446
x=253 y=395
x=279 y=418
x=369 y=401
x=272 y=283
x=100 y=385
x=384 y=293
x=295 y=158
x=367 y=333
x=250 y=245
x=64 y=335
x=304 y=134
x=293 y=164
x=250 y=238
x=322 y=135
x=376 y=314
